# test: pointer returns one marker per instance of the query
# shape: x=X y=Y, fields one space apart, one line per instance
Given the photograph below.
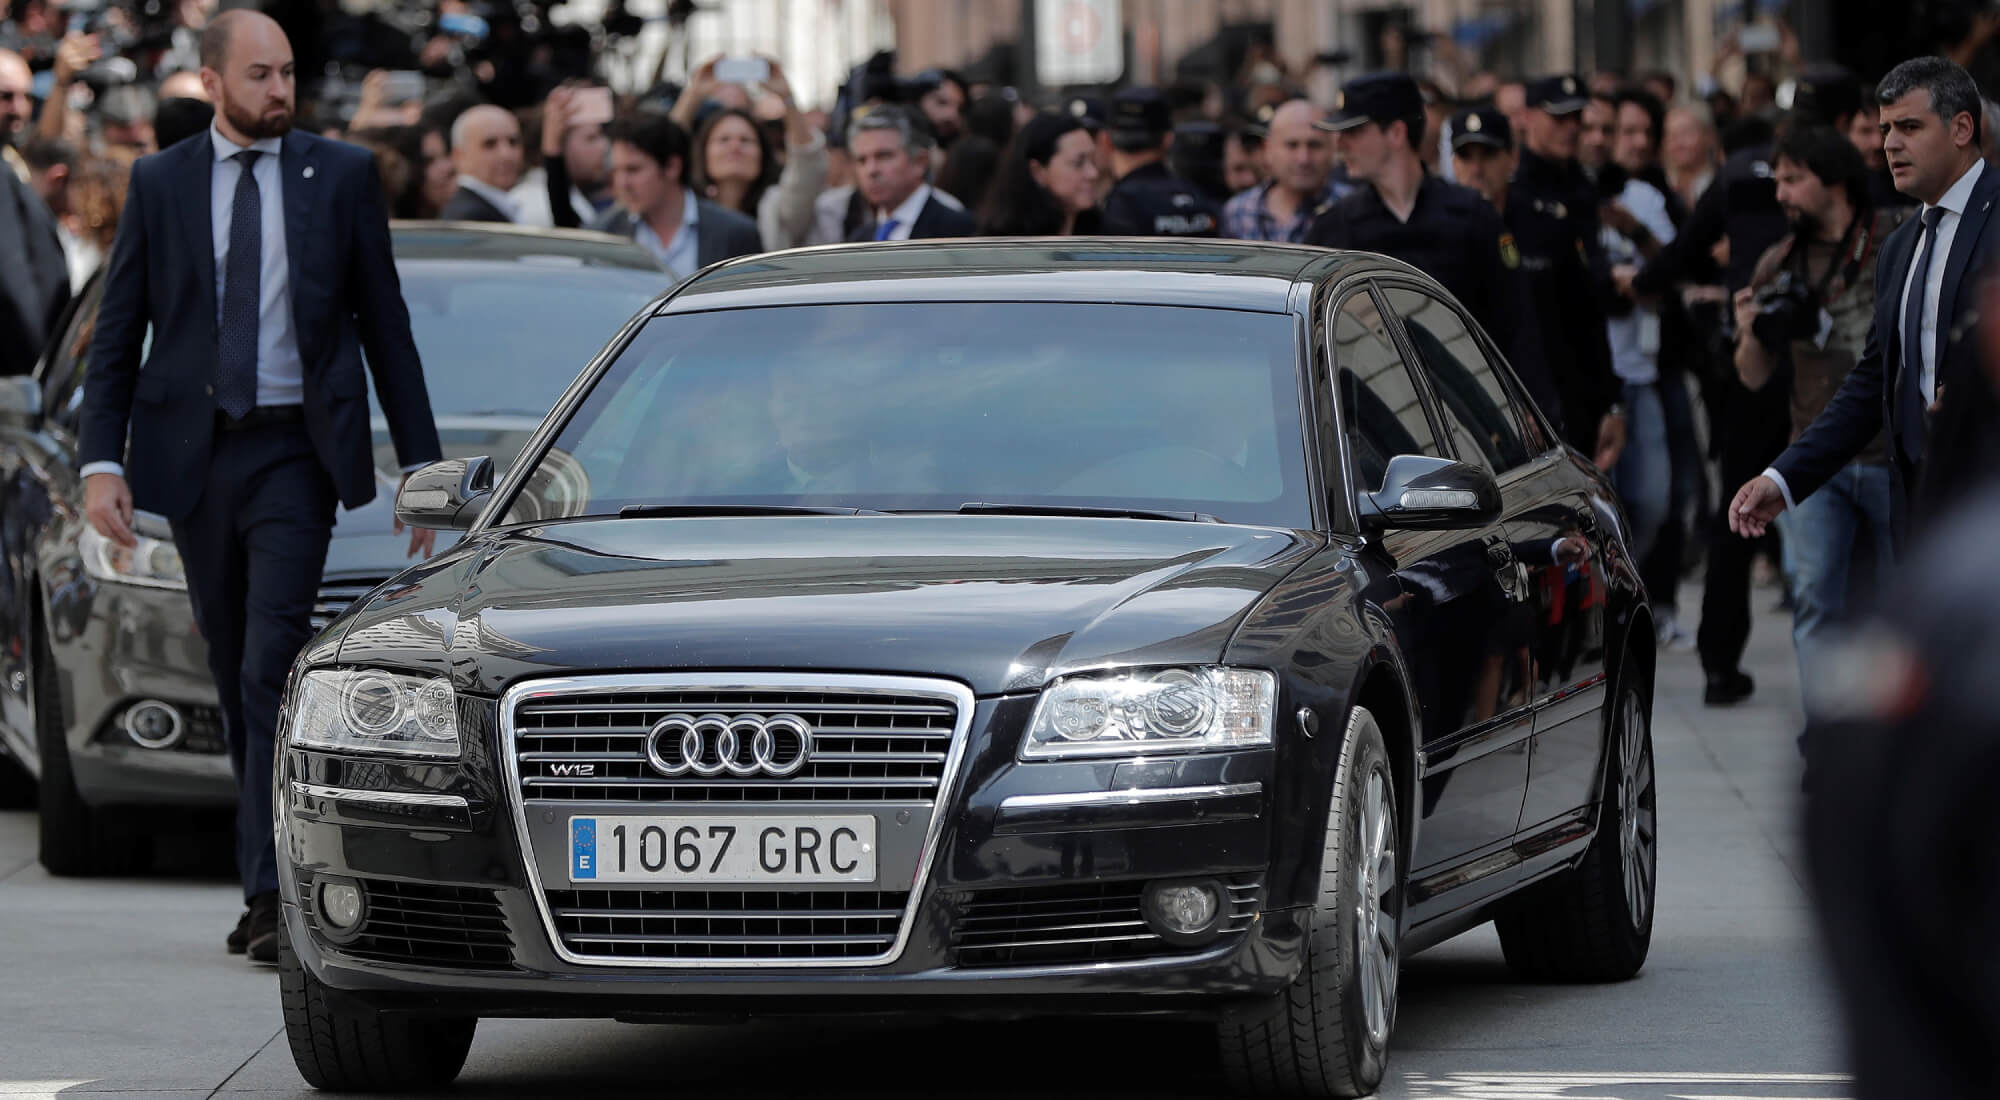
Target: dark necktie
x=1910 y=394
x=242 y=279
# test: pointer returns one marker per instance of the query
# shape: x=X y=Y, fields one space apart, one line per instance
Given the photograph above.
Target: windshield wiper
x=639 y=510
x=985 y=508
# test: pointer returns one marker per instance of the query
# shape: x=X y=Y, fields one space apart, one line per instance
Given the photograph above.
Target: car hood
x=998 y=603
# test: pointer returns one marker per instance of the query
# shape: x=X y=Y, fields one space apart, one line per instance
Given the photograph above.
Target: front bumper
x=448 y=837
x=113 y=646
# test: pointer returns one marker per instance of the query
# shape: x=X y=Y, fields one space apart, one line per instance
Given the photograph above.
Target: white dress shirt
x=682 y=255
x=280 y=370
x=501 y=200
x=1953 y=204
x=905 y=216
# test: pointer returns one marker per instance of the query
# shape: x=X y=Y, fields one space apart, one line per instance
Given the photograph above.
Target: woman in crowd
x=428 y=179
x=1048 y=181
x=736 y=165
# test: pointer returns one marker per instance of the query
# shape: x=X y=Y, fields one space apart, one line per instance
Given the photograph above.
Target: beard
x=1804 y=224
x=257 y=127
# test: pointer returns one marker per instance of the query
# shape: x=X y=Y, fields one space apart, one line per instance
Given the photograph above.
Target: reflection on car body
x=1177 y=629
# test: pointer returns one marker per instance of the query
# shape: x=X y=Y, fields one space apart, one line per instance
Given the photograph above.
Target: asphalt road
x=122 y=986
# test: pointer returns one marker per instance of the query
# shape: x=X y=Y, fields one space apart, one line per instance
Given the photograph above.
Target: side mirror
x=20 y=402
x=1436 y=493
x=446 y=495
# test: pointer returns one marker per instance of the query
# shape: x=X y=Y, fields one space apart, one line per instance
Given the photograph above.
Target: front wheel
x=1595 y=923
x=77 y=839
x=341 y=1048
x=1328 y=1034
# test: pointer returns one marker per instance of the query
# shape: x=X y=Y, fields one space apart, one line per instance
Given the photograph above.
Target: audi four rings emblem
x=741 y=745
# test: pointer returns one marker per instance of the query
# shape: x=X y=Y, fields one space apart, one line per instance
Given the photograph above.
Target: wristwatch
x=1617 y=409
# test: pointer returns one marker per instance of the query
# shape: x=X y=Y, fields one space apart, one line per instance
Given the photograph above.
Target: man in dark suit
x=1915 y=375
x=649 y=159
x=34 y=280
x=486 y=150
x=260 y=258
x=890 y=148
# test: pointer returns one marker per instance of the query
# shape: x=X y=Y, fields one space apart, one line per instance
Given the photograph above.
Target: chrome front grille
x=866 y=747
x=726 y=924
x=1080 y=923
x=336 y=594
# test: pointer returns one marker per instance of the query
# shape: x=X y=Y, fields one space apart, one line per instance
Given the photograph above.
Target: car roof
x=1222 y=274
x=431 y=240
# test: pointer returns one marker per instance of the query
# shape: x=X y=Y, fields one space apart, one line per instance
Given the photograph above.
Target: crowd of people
x=1613 y=234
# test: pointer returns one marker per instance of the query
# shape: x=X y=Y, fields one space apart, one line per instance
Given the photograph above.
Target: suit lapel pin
x=309 y=171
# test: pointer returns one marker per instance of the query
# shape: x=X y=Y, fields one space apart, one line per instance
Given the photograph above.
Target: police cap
x=1486 y=126
x=1141 y=112
x=1558 y=95
x=1093 y=110
x=1378 y=97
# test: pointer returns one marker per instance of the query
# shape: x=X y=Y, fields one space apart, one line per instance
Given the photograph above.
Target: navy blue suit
x=1952 y=447
x=252 y=500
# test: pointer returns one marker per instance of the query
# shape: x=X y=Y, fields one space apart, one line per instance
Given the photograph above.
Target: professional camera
x=1787 y=309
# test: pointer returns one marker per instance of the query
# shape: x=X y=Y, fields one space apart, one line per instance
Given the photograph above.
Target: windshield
x=931 y=406
x=501 y=341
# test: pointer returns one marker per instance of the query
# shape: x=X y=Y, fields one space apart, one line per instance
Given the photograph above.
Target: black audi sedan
x=983 y=629
x=108 y=717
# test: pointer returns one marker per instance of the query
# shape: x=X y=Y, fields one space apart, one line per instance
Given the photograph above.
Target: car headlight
x=153 y=563
x=1153 y=711
x=365 y=710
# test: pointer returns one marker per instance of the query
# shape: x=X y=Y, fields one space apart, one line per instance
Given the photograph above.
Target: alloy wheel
x=1637 y=838
x=1375 y=922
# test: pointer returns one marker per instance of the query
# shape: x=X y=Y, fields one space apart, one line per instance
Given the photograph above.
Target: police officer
x=1553 y=217
x=1446 y=231
x=1148 y=201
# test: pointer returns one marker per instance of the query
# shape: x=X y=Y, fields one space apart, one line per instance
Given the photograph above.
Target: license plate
x=691 y=850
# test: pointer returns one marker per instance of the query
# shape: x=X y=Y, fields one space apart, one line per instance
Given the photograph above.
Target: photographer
x=1808 y=308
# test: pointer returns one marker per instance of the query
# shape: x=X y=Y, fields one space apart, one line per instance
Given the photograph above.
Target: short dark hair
x=45 y=153
x=1952 y=90
x=1656 y=112
x=176 y=119
x=1826 y=153
x=655 y=135
x=1418 y=125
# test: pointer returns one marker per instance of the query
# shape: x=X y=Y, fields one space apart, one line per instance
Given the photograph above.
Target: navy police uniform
x=1552 y=213
x=1150 y=201
x=1453 y=234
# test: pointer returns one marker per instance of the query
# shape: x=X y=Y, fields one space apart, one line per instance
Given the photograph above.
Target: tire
x=17 y=787
x=1594 y=923
x=77 y=839
x=1328 y=1034
x=343 y=1049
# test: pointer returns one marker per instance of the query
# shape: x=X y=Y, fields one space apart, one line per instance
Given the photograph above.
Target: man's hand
x=1755 y=506
x=107 y=503
x=1610 y=440
x=76 y=53
x=1622 y=277
x=1937 y=400
x=1615 y=215
x=555 y=120
x=1746 y=310
x=421 y=538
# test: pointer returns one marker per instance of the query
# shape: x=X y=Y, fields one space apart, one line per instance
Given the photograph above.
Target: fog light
x=342 y=907
x=1188 y=912
x=152 y=724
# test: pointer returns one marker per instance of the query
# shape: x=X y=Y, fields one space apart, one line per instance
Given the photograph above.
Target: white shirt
x=1953 y=203
x=501 y=200
x=682 y=255
x=280 y=371
x=905 y=216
